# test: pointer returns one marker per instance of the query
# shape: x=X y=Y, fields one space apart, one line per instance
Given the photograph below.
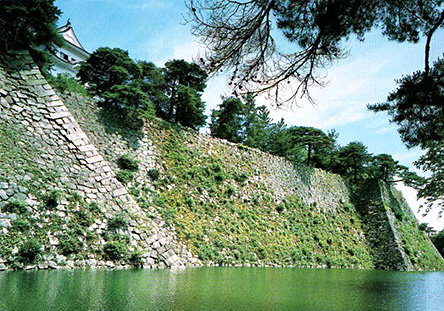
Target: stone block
x=58 y=115
x=53 y=265
x=77 y=136
x=119 y=192
x=94 y=159
x=55 y=103
x=49 y=92
x=3 y=195
x=17 y=109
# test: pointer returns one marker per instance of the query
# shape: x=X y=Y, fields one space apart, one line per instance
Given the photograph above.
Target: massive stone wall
x=283 y=177
x=52 y=152
x=66 y=143
x=267 y=176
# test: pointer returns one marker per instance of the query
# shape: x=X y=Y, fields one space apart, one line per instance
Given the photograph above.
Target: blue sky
x=154 y=30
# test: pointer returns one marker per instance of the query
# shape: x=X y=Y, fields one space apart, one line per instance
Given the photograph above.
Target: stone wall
x=52 y=152
x=71 y=146
x=380 y=229
x=268 y=176
x=283 y=177
x=392 y=230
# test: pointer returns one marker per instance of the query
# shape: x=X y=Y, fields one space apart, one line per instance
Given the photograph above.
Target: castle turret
x=71 y=54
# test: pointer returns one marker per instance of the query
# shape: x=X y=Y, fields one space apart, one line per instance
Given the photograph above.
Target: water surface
x=222 y=289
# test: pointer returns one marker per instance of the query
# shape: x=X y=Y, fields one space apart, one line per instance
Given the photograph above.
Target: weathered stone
x=119 y=192
x=110 y=264
x=58 y=115
x=52 y=265
x=17 y=109
x=3 y=195
x=53 y=241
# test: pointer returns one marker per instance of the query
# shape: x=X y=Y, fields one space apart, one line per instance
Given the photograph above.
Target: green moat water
x=222 y=289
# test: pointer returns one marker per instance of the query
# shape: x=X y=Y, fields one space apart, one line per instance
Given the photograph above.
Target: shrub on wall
x=124 y=176
x=128 y=162
x=117 y=222
x=29 y=251
x=69 y=244
x=65 y=83
x=114 y=250
x=154 y=174
x=51 y=198
x=15 y=207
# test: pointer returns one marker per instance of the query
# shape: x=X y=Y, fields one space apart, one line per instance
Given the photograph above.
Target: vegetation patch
x=15 y=207
x=223 y=219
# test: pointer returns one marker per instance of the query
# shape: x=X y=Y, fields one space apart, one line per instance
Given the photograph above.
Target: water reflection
x=222 y=289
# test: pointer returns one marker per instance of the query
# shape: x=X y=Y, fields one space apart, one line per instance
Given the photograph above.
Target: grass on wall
x=226 y=215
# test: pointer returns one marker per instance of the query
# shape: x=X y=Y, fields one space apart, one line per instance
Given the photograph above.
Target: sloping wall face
x=392 y=230
x=62 y=204
x=416 y=248
x=49 y=166
x=233 y=205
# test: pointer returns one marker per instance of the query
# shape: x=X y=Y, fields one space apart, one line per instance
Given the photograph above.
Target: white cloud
x=187 y=51
x=383 y=130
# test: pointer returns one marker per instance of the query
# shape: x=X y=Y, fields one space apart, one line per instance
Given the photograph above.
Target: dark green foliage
x=106 y=68
x=227 y=121
x=21 y=225
x=353 y=161
x=69 y=244
x=423 y=226
x=257 y=123
x=279 y=142
x=154 y=174
x=190 y=108
x=83 y=218
x=125 y=97
x=241 y=122
x=135 y=259
x=314 y=141
x=29 y=251
x=15 y=207
x=51 y=198
x=113 y=75
x=240 y=177
x=115 y=250
x=438 y=241
x=152 y=82
x=417 y=108
x=183 y=84
x=230 y=191
x=117 y=222
x=94 y=207
x=384 y=167
x=128 y=162
x=66 y=83
x=125 y=176
x=136 y=90
x=27 y=25
x=131 y=103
